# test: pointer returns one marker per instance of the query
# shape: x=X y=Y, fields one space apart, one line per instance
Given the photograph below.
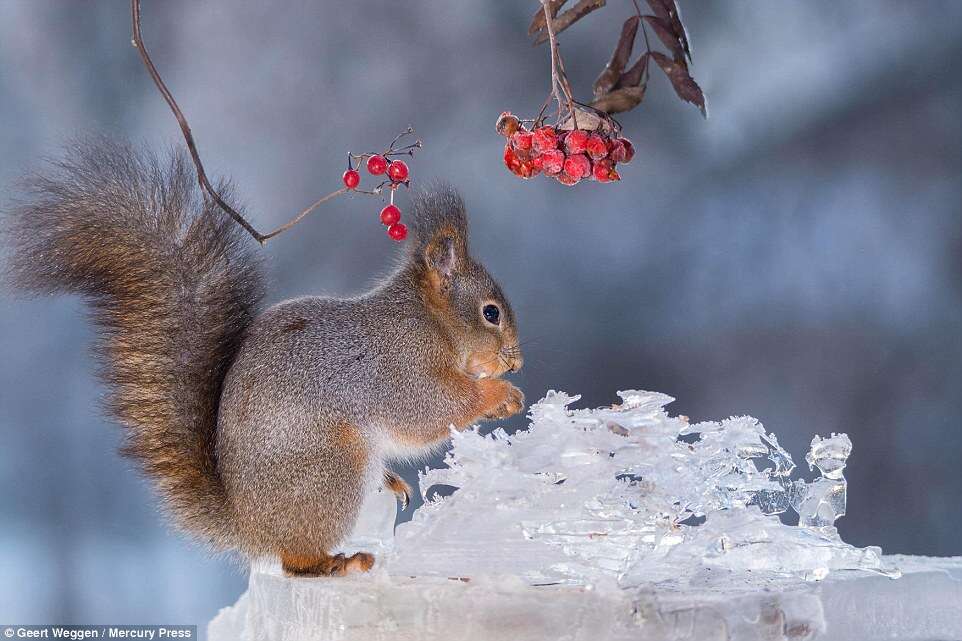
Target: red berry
x=544 y=139
x=390 y=215
x=603 y=171
x=565 y=179
x=376 y=165
x=577 y=166
x=552 y=161
x=629 y=149
x=576 y=141
x=398 y=231
x=617 y=151
x=511 y=160
x=528 y=169
x=351 y=179
x=507 y=124
x=397 y=171
x=521 y=140
x=596 y=147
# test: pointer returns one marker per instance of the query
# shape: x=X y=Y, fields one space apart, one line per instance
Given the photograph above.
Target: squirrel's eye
x=491 y=314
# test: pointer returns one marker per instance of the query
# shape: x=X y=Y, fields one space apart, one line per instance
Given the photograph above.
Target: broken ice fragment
x=829 y=455
x=823 y=503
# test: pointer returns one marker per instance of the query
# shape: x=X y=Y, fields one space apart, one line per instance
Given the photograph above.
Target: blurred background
x=797 y=257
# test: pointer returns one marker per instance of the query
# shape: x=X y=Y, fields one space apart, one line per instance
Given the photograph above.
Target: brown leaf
x=685 y=86
x=660 y=9
x=667 y=11
x=619 y=100
x=632 y=77
x=667 y=35
x=537 y=21
x=678 y=27
x=569 y=17
x=609 y=76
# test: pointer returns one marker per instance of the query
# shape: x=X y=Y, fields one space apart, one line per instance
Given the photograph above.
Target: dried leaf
x=660 y=9
x=612 y=72
x=633 y=77
x=685 y=86
x=667 y=35
x=667 y=11
x=537 y=21
x=619 y=100
x=678 y=26
x=569 y=17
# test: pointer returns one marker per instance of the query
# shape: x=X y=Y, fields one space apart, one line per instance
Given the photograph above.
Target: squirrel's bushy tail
x=173 y=286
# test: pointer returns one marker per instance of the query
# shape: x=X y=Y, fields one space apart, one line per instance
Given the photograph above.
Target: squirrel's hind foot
x=400 y=488
x=326 y=564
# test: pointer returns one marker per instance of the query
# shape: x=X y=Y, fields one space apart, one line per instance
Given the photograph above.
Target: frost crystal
x=630 y=493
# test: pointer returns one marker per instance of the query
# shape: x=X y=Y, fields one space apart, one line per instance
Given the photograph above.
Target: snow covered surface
x=614 y=523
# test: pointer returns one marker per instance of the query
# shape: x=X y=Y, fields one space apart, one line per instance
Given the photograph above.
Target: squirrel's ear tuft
x=441 y=230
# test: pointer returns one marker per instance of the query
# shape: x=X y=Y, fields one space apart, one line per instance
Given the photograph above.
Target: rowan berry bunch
x=567 y=155
x=395 y=173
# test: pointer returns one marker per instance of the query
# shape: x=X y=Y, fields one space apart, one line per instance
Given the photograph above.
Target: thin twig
x=138 y=43
x=320 y=201
x=557 y=67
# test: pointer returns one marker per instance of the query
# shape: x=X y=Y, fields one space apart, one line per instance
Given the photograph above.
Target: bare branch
x=138 y=43
x=559 y=81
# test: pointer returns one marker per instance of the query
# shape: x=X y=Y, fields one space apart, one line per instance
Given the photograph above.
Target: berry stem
x=296 y=219
x=559 y=81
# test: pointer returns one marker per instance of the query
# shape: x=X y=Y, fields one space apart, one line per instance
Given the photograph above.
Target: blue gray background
x=797 y=257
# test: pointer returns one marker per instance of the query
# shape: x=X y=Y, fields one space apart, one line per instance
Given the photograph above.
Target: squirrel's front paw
x=511 y=403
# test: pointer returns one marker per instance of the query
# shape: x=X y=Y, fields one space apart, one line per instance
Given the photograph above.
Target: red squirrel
x=263 y=430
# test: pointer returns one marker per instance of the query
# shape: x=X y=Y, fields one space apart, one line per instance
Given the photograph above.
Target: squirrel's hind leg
x=326 y=564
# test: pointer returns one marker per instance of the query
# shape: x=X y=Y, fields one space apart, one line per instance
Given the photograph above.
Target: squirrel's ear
x=441 y=255
x=441 y=229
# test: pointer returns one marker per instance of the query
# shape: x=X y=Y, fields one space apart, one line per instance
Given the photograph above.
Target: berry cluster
x=568 y=156
x=397 y=173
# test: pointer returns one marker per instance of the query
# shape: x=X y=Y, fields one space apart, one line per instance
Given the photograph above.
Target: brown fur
x=172 y=285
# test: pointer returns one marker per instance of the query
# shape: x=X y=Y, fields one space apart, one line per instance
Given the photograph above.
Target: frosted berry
x=522 y=140
x=507 y=124
x=552 y=161
x=576 y=141
x=603 y=171
x=596 y=147
x=565 y=179
x=545 y=139
x=629 y=149
x=376 y=165
x=351 y=179
x=577 y=166
x=511 y=160
x=617 y=151
x=528 y=169
x=397 y=231
x=397 y=171
x=390 y=215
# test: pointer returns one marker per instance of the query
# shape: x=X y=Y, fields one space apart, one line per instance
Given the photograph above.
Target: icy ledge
x=609 y=524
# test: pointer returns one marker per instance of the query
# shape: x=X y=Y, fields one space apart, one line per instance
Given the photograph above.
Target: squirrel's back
x=173 y=286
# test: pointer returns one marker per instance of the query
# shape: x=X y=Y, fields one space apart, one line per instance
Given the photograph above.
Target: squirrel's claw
x=400 y=488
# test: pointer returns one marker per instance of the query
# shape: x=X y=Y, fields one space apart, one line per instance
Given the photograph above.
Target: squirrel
x=263 y=429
